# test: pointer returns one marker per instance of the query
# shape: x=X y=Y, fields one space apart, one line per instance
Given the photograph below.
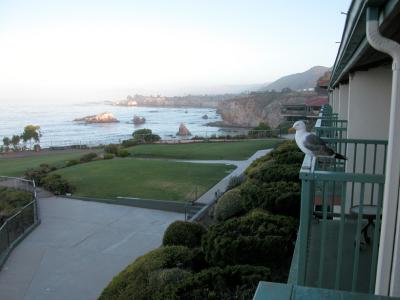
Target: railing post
x=305 y=217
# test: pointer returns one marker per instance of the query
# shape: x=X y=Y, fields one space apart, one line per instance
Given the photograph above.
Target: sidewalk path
x=78 y=248
x=221 y=186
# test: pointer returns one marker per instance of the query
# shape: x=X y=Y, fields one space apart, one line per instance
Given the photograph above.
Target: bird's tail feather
x=340 y=156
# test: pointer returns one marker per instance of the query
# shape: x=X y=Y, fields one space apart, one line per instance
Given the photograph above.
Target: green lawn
x=17 y=166
x=216 y=150
x=149 y=179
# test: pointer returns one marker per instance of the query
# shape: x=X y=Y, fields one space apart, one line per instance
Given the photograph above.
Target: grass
x=204 y=151
x=148 y=179
x=17 y=166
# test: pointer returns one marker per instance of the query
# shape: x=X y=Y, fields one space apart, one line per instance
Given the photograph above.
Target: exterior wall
x=335 y=105
x=369 y=103
x=343 y=102
x=369 y=95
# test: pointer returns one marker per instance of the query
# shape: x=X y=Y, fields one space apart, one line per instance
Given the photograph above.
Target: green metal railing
x=339 y=199
x=16 y=227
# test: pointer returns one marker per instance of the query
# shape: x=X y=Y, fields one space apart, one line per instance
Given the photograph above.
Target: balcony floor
x=331 y=255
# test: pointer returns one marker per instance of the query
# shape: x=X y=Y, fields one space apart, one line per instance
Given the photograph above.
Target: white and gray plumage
x=311 y=144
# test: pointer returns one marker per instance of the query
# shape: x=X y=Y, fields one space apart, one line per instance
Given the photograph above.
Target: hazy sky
x=83 y=45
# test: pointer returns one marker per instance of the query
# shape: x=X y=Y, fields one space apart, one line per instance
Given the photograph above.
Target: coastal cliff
x=250 y=110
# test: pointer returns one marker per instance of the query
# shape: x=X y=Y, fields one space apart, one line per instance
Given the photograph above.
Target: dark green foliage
x=145 y=136
x=183 y=233
x=11 y=200
x=123 y=153
x=73 y=162
x=231 y=282
x=273 y=171
x=88 y=157
x=258 y=238
x=37 y=174
x=277 y=197
x=108 y=156
x=133 y=282
x=235 y=181
x=129 y=143
x=229 y=205
x=159 y=279
x=56 y=184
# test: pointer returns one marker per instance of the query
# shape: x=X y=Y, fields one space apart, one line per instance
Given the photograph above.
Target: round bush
x=72 y=162
x=184 y=233
x=123 y=153
x=231 y=282
x=134 y=281
x=229 y=205
x=111 y=148
x=108 y=156
x=158 y=279
x=277 y=197
x=258 y=238
x=272 y=171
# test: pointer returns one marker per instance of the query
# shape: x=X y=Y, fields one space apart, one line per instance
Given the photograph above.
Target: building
x=350 y=247
x=309 y=110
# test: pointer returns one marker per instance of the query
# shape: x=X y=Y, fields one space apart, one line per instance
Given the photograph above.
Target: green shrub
x=88 y=157
x=123 y=153
x=108 y=156
x=229 y=205
x=183 y=233
x=112 y=148
x=273 y=171
x=231 y=282
x=277 y=197
x=145 y=136
x=258 y=238
x=134 y=281
x=130 y=143
x=235 y=181
x=12 y=200
x=57 y=185
x=159 y=279
x=37 y=174
x=73 y=162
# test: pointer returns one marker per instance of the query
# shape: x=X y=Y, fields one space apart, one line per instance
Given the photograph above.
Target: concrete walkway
x=221 y=186
x=78 y=248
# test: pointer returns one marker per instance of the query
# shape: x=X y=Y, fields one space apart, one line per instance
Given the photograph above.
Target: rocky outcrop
x=205 y=117
x=105 y=117
x=137 y=120
x=250 y=110
x=183 y=131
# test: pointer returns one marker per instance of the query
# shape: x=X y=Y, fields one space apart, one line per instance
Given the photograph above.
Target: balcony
x=341 y=206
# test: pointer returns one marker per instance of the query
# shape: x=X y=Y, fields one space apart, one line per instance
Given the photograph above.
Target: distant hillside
x=298 y=81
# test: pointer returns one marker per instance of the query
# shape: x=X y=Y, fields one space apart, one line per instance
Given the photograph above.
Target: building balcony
x=341 y=206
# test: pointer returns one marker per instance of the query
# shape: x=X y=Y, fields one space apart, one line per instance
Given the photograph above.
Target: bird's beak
x=291 y=130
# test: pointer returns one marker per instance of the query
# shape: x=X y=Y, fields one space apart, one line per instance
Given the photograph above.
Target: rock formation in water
x=183 y=131
x=137 y=120
x=205 y=117
x=105 y=117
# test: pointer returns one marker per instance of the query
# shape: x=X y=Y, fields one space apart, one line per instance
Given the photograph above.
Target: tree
x=145 y=136
x=6 y=142
x=31 y=132
x=15 y=141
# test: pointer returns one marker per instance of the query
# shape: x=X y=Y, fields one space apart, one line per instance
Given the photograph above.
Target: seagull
x=311 y=144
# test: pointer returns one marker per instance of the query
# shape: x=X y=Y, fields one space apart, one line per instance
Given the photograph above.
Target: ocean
x=59 y=129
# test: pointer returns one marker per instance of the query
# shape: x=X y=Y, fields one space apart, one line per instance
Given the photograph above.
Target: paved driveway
x=78 y=249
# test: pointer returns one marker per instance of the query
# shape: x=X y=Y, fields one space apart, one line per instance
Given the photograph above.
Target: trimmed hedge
x=111 y=148
x=277 y=197
x=108 y=156
x=258 y=238
x=88 y=157
x=229 y=205
x=123 y=153
x=273 y=171
x=57 y=185
x=183 y=233
x=231 y=282
x=133 y=282
x=37 y=174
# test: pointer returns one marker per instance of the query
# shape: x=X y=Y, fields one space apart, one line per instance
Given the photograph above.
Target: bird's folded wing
x=314 y=143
